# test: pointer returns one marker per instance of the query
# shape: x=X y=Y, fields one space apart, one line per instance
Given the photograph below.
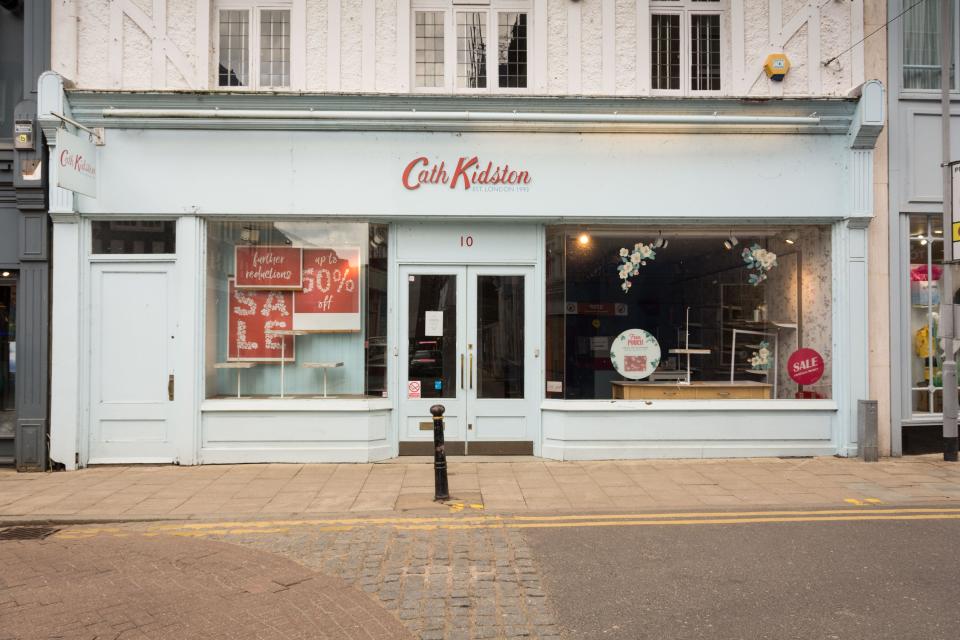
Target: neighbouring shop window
x=8 y=353
x=926 y=348
x=134 y=236
x=486 y=41
x=921 y=45
x=749 y=308
x=685 y=45
x=253 y=44
x=296 y=309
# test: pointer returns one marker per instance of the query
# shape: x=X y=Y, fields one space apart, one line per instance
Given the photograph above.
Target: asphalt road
x=829 y=580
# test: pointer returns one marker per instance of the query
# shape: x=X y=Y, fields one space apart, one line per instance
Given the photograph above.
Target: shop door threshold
x=456 y=448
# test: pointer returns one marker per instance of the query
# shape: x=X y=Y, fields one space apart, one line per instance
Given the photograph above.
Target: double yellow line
x=437 y=523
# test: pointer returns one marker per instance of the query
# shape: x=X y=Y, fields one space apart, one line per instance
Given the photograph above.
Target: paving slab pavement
x=136 y=587
x=515 y=485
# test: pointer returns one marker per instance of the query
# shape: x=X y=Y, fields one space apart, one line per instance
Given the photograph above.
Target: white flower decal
x=760 y=260
x=631 y=261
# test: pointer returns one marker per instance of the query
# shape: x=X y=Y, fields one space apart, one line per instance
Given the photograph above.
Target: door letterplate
x=170 y=387
x=426 y=426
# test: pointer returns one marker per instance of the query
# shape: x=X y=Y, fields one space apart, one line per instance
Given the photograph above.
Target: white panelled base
x=611 y=430
x=294 y=430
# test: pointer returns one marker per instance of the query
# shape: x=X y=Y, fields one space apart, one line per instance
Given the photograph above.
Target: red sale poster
x=252 y=315
x=268 y=267
x=330 y=299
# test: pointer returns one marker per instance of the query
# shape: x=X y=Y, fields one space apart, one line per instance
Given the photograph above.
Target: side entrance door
x=469 y=341
x=132 y=373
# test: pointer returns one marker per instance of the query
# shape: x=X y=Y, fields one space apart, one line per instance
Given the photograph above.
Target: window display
x=742 y=313
x=926 y=282
x=296 y=309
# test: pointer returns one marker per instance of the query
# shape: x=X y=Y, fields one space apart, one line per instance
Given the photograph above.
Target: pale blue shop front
x=499 y=301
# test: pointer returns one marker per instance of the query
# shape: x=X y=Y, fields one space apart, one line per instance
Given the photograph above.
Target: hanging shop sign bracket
x=97 y=134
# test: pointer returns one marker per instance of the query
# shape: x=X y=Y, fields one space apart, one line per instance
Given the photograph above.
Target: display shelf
x=759 y=372
x=783 y=324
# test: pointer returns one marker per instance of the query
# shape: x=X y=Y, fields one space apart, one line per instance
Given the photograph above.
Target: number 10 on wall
x=466 y=241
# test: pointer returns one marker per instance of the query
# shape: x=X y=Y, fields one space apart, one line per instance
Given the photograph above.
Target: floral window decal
x=631 y=261
x=759 y=260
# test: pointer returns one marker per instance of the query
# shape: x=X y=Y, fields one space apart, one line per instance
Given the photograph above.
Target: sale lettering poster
x=252 y=316
x=268 y=267
x=330 y=298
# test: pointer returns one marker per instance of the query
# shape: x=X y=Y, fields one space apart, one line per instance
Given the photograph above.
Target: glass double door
x=469 y=341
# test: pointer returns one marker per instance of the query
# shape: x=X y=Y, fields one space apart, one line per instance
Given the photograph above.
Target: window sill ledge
x=322 y=405
x=688 y=405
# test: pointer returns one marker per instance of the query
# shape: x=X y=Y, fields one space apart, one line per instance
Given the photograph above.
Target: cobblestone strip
x=443 y=584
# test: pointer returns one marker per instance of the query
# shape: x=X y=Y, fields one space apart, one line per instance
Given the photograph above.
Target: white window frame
x=955 y=61
x=298 y=39
x=450 y=8
x=685 y=9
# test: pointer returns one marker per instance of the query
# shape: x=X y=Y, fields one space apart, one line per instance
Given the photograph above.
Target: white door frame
x=533 y=343
x=190 y=283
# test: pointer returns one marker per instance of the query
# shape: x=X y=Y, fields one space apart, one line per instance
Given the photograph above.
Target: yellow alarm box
x=776 y=66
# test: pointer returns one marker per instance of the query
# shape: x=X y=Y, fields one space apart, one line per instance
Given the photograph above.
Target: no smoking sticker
x=413 y=390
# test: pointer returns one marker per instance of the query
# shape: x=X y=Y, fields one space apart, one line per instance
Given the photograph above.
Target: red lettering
x=406 y=173
x=463 y=164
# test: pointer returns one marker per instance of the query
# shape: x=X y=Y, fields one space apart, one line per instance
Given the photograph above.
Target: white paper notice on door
x=433 y=323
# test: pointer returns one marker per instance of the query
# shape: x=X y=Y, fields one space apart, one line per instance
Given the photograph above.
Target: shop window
x=296 y=309
x=253 y=44
x=921 y=46
x=489 y=39
x=648 y=313
x=926 y=291
x=685 y=45
x=134 y=236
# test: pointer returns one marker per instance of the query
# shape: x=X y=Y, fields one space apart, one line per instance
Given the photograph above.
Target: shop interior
x=698 y=294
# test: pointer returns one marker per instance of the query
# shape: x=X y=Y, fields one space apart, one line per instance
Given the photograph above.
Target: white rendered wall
x=592 y=46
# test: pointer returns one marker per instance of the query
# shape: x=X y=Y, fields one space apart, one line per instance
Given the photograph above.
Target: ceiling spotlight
x=6 y=274
x=731 y=242
x=583 y=239
x=938 y=232
x=790 y=237
x=923 y=242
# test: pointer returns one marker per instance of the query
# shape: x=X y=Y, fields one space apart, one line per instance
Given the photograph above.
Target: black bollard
x=440 y=490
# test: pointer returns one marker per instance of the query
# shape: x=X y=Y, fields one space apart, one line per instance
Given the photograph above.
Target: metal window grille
x=275 y=48
x=512 y=49
x=234 y=47
x=704 y=52
x=665 y=51
x=471 y=49
x=429 y=48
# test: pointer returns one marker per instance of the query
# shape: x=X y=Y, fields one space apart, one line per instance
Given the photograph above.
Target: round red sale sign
x=805 y=366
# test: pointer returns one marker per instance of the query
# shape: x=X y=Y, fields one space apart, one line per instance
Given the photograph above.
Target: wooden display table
x=626 y=390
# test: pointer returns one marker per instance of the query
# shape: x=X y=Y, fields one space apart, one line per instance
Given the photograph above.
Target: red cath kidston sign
x=252 y=314
x=805 y=366
x=268 y=267
x=330 y=299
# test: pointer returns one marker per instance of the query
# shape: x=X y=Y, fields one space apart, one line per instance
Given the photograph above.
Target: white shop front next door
x=132 y=352
x=469 y=340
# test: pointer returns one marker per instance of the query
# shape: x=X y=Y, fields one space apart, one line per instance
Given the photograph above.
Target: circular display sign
x=635 y=354
x=805 y=366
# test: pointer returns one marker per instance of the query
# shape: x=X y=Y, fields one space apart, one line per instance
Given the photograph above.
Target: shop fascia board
x=185 y=110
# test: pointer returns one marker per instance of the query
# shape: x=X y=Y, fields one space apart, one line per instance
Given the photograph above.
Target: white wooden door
x=132 y=362
x=502 y=351
x=469 y=337
x=432 y=352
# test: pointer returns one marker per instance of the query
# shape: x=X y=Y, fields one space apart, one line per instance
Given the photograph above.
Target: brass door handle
x=461 y=371
x=170 y=384
x=471 y=369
